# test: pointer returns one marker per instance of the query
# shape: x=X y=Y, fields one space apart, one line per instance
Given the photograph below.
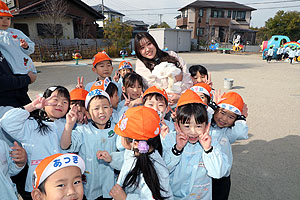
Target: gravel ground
x=267 y=165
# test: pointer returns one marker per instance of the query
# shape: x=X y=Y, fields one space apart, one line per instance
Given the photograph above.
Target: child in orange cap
x=191 y=155
x=88 y=138
x=228 y=125
x=102 y=66
x=58 y=177
x=144 y=174
x=14 y=44
x=157 y=99
x=77 y=97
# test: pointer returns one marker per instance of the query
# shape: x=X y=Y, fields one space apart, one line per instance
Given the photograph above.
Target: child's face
x=64 y=184
x=61 y=107
x=100 y=111
x=125 y=71
x=224 y=118
x=5 y=22
x=157 y=105
x=192 y=129
x=198 y=78
x=115 y=100
x=103 y=69
x=134 y=91
x=203 y=97
x=147 y=49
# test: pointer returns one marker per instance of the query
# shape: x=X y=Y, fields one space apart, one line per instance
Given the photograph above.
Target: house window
x=217 y=14
x=46 y=30
x=200 y=31
x=229 y=14
x=184 y=13
x=241 y=15
x=213 y=31
x=200 y=12
x=22 y=27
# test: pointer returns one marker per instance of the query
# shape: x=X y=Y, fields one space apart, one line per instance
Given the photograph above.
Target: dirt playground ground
x=267 y=165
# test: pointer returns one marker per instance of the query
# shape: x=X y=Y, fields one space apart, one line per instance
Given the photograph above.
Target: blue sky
x=153 y=16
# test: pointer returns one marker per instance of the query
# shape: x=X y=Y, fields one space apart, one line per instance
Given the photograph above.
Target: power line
x=269 y=2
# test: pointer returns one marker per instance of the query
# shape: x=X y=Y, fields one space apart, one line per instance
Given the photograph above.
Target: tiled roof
x=98 y=8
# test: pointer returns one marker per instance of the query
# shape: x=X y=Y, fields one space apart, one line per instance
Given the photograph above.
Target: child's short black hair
x=157 y=97
x=130 y=79
x=197 y=68
x=198 y=110
x=111 y=89
x=81 y=103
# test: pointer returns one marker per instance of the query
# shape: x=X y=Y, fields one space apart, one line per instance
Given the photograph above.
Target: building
x=138 y=26
x=220 y=21
x=79 y=19
x=110 y=14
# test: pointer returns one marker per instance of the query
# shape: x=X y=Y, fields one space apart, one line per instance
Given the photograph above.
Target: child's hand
x=104 y=155
x=72 y=115
x=205 y=138
x=80 y=82
x=18 y=155
x=245 y=110
x=181 y=138
x=116 y=76
x=173 y=113
x=136 y=102
x=39 y=103
x=218 y=96
x=179 y=77
x=208 y=79
x=173 y=98
x=127 y=100
x=117 y=193
x=32 y=76
x=164 y=128
x=23 y=44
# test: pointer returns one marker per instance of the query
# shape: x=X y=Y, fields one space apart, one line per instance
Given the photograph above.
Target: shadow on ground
x=266 y=169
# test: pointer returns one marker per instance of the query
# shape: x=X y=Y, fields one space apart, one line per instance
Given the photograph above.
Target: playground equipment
x=77 y=56
x=276 y=41
x=213 y=46
x=123 y=53
x=237 y=46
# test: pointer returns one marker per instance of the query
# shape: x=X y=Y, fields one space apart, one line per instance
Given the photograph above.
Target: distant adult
x=150 y=55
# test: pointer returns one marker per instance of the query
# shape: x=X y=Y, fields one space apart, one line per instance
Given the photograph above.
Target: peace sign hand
x=127 y=99
x=39 y=103
x=181 y=138
x=208 y=79
x=217 y=96
x=72 y=115
x=205 y=138
x=116 y=76
x=80 y=82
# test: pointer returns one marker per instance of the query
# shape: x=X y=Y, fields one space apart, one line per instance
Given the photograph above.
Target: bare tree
x=83 y=29
x=52 y=14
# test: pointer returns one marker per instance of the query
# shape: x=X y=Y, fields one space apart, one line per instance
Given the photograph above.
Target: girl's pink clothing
x=151 y=80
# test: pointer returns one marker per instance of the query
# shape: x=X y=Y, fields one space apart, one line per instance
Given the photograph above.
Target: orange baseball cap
x=4 y=11
x=202 y=87
x=157 y=90
x=233 y=102
x=78 y=94
x=188 y=97
x=99 y=57
x=125 y=65
x=53 y=163
x=139 y=123
x=101 y=84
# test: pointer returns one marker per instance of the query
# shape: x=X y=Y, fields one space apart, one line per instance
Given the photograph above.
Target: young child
x=144 y=174
x=279 y=53
x=11 y=163
x=157 y=99
x=199 y=74
x=270 y=54
x=87 y=139
x=190 y=154
x=125 y=67
x=227 y=127
x=102 y=66
x=38 y=126
x=77 y=97
x=112 y=90
x=292 y=54
x=297 y=54
x=58 y=176
x=14 y=44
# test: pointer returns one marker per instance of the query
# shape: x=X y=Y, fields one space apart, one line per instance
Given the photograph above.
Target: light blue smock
x=142 y=192
x=16 y=56
x=89 y=85
x=237 y=132
x=191 y=172
x=7 y=168
x=18 y=125
x=87 y=140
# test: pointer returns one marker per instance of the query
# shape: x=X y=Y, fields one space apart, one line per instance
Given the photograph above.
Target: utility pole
x=160 y=17
x=102 y=7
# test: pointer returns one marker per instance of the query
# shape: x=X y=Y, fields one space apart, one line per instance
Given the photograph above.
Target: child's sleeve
x=238 y=132
x=17 y=124
x=117 y=160
x=76 y=140
x=216 y=162
x=170 y=159
x=13 y=169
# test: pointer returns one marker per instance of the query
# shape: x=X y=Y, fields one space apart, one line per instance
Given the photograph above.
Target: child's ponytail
x=145 y=166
